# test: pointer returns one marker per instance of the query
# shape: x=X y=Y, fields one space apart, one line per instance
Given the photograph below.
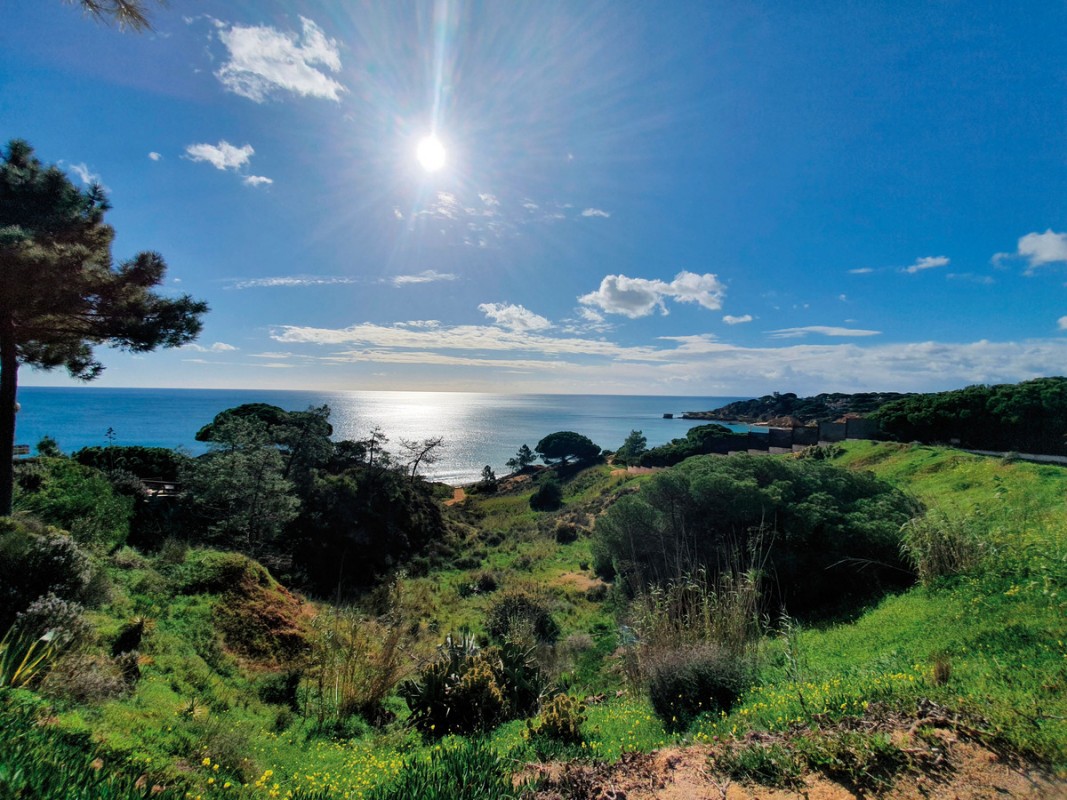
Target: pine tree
x=61 y=294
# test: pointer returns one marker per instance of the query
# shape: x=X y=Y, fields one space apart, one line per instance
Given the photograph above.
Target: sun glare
x=430 y=153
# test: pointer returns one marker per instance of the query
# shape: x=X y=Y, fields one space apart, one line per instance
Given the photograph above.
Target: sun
x=430 y=153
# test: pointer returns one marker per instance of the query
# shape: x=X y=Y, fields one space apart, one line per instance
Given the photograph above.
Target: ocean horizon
x=478 y=429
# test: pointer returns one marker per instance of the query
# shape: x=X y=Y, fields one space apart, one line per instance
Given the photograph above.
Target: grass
x=987 y=643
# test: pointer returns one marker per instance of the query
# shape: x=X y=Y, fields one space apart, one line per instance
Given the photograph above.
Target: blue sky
x=653 y=198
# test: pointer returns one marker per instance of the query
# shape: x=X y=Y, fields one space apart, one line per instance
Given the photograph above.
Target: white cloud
x=861 y=271
x=263 y=60
x=927 y=262
x=1043 y=248
x=822 y=330
x=426 y=276
x=729 y=319
x=1062 y=322
x=515 y=317
x=86 y=175
x=596 y=212
x=691 y=365
x=222 y=155
x=257 y=180
x=217 y=347
x=639 y=297
x=291 y=280
x=155 y=156
x=489 y=199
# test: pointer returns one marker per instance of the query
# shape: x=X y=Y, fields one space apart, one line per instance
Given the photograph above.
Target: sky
x=679 y=198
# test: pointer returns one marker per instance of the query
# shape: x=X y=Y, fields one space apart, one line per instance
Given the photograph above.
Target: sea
x=477 y=429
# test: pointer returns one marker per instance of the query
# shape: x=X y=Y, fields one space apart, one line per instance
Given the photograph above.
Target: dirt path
x=458 y=496
x=944 y=764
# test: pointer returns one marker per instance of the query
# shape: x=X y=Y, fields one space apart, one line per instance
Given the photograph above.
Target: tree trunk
x=9 y=367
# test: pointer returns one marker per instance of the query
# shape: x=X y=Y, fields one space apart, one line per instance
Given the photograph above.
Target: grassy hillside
x=239 y=681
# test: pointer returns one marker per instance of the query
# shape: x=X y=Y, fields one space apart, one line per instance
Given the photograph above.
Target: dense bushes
x=549 y=495
x=821 y=536
x=686 y=682
x=37 y=561
x=698 y=441
x=1029 y=417
x=521 y=612
x=467 y=689
x=78 y=499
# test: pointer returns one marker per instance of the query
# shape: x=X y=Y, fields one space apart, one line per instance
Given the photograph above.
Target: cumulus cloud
x=927 y=262
x=596 y=212
x=222 y=156
x=639 y=297
x=217 y=347
x=155 y=156
x=822 y=330
x=1039 y=249
x=515 y=317
x=227 y=157
x=262 y=61
x=426 y=276
x=730 y=319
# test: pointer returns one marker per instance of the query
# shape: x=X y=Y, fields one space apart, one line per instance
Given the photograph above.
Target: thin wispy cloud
x=85 y=175
x=927 y=262
x=697 y=361
x=263 y=61
x=217 y=347
x=861 y=271
x=1062 y=323
x=639 y=297
x=426 y=276
x=729 y=319
x=283 y=281
x=257 y=180
x=820 y=330
x=514 y=317
x=485 y=219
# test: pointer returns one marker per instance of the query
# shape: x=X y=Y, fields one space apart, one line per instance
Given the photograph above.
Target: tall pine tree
x=60 y=292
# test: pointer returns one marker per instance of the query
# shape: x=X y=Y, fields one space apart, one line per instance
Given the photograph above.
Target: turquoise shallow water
x=478 y=429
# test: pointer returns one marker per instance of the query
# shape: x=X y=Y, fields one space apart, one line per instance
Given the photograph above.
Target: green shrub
x=939 y=546
x=519 y=610
x=37 y=560
x=548 y=497
x=560 y=720
x=466 y=689
x=78 y=499
x=684 y=683
x=823 y=538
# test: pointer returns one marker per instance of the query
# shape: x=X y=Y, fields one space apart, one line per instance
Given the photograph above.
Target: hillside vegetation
x=182 y=666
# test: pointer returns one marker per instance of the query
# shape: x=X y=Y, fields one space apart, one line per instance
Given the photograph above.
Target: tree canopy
x=1029 y=417
x=564 y=446
x=60 y=292
x=816 y=534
